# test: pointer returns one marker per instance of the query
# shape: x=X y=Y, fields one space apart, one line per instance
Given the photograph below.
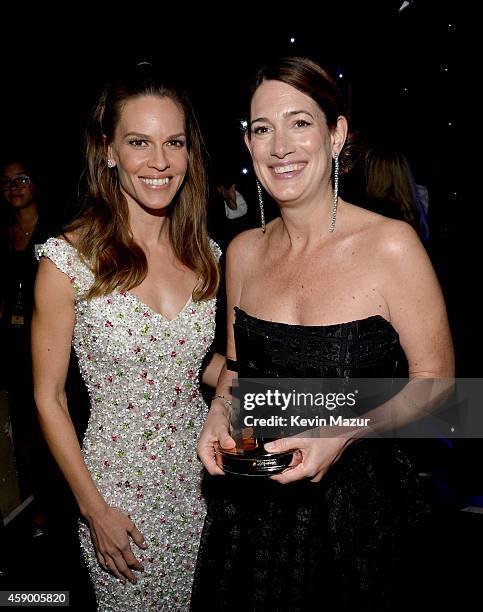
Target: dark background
x=403 y=72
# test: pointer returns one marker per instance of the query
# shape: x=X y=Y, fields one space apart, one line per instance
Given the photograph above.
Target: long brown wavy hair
x=389 y=179
x=103 y=235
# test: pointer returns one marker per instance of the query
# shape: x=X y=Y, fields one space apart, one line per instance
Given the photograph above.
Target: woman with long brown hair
x=132 y=285
x=391 y=189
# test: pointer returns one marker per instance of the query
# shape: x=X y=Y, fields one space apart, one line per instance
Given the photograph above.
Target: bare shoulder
x=248 y=238
x=387 y=237
x=407 y=282
x=400 y=250
x=399 y=256
x=396 y=238
x=249 y=245
x=50 y=278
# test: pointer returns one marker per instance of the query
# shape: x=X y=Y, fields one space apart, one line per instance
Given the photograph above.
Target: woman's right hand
x=110 y=531
x=215 y=429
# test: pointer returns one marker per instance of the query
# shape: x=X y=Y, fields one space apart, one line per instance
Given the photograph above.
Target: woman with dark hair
x=391 y=189
x=26 y=224
x=132 y=284
x=332 y=291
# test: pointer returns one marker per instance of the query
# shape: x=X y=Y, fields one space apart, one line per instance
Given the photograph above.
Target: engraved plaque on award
x=249 y=458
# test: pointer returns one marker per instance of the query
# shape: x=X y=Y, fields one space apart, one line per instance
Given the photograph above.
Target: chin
x=156 y=208
x=284 y=197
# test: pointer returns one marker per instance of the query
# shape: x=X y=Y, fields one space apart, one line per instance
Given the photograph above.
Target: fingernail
x=270 y=446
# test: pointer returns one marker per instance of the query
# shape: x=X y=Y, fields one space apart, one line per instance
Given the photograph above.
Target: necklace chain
x=22 y=229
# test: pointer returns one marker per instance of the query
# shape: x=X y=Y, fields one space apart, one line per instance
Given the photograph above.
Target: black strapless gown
x=308 y=546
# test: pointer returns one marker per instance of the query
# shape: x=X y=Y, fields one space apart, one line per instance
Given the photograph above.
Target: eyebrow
x=15 y=175
x=140 y=135
x=287 y=114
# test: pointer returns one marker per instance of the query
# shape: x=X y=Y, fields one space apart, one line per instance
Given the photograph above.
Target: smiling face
x=290 y=143
x=150 y=152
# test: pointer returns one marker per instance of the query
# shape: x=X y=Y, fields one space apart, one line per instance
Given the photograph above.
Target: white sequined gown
x=141 y=371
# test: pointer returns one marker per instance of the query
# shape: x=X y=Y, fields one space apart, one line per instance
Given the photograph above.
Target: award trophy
x=249 y=457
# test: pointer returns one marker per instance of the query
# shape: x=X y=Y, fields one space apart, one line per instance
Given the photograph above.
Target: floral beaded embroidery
x=141 y=371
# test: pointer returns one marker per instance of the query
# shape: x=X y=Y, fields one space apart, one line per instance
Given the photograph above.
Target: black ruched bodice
x=357 y=349
x=309 y=546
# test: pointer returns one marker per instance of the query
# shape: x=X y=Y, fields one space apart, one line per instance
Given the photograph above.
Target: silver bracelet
x=226 y=401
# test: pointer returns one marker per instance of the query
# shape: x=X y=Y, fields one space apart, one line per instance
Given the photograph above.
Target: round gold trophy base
x=251 y=462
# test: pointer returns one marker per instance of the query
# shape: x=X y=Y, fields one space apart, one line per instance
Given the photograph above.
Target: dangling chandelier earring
x=336 y=194
x=260 y=202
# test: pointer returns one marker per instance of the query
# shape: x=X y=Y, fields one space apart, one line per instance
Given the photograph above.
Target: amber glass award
x=249 y=457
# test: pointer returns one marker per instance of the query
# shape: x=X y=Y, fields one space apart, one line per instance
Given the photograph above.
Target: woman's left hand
x=312 y=456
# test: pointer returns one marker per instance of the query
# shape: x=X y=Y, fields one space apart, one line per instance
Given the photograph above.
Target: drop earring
x=260 y=203
x=335 y=198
